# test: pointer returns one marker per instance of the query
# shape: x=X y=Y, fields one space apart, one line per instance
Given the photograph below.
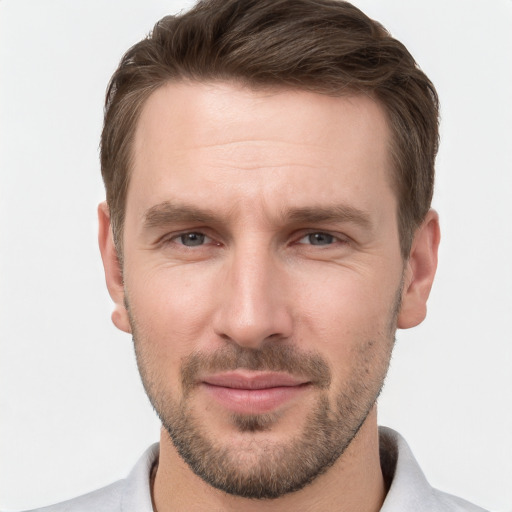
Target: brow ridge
x=169 y=212
x=336 y=213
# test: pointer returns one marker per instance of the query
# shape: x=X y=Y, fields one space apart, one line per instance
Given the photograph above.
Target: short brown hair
x=325 y=46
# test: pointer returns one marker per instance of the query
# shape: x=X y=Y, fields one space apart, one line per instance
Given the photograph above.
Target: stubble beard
x=260 y=468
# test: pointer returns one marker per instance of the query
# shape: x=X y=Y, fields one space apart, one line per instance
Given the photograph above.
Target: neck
x=354 y=482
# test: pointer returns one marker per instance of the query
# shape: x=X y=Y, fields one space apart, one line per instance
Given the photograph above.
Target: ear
x=419 y=272
x=113 y=273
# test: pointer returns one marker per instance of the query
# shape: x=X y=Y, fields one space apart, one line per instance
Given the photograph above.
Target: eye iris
x=320 y=239
x=192 y=239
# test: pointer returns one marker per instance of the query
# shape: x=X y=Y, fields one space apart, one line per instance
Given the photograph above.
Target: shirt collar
x=408 y=489
x=137 y=488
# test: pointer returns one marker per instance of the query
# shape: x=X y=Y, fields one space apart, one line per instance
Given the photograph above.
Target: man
x=269 y=171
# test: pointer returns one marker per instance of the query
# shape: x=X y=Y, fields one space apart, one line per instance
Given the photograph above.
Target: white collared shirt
x=409 y=490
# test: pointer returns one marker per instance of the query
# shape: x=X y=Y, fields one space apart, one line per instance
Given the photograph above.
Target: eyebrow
x=169 y=212
x=336 y=214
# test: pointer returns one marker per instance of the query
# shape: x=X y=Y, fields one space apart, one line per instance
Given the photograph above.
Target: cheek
x=346 y=301
x=348 y=319
x=170 y=309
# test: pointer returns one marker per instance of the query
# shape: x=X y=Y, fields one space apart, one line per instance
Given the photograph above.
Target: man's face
x=262 y=275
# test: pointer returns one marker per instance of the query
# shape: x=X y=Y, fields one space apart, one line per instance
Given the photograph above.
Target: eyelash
x=331 y=237
x=320 y=235
x=175 y=238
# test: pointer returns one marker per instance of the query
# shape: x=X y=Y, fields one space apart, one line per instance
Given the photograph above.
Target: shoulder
x=102 y=500
x=132 y=494
x=408 y=488
x=454 y=503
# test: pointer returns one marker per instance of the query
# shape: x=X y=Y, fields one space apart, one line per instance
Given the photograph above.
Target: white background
x=73 y=415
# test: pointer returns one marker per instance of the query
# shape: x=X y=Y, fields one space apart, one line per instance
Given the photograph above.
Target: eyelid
x=206 y=238
x=338 y=237
x=174 y=236
x=301 y=234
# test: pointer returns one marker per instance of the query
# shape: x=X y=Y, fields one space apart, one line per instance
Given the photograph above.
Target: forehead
x=216 y=135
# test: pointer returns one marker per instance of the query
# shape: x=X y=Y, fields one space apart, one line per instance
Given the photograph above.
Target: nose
x=253 y=306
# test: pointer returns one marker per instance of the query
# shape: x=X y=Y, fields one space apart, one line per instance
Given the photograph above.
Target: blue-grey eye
x=192 y=239
x=317 y=239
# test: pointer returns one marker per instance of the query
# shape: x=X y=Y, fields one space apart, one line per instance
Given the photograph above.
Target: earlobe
x=112 y=267
x=419 y=273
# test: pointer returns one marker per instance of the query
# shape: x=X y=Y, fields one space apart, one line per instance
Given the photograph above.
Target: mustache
x=274 y=357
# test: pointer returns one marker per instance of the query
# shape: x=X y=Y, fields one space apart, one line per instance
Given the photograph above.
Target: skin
x=250 y=159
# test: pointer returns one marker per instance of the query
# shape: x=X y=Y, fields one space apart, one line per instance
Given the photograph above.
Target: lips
x=248 y=392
